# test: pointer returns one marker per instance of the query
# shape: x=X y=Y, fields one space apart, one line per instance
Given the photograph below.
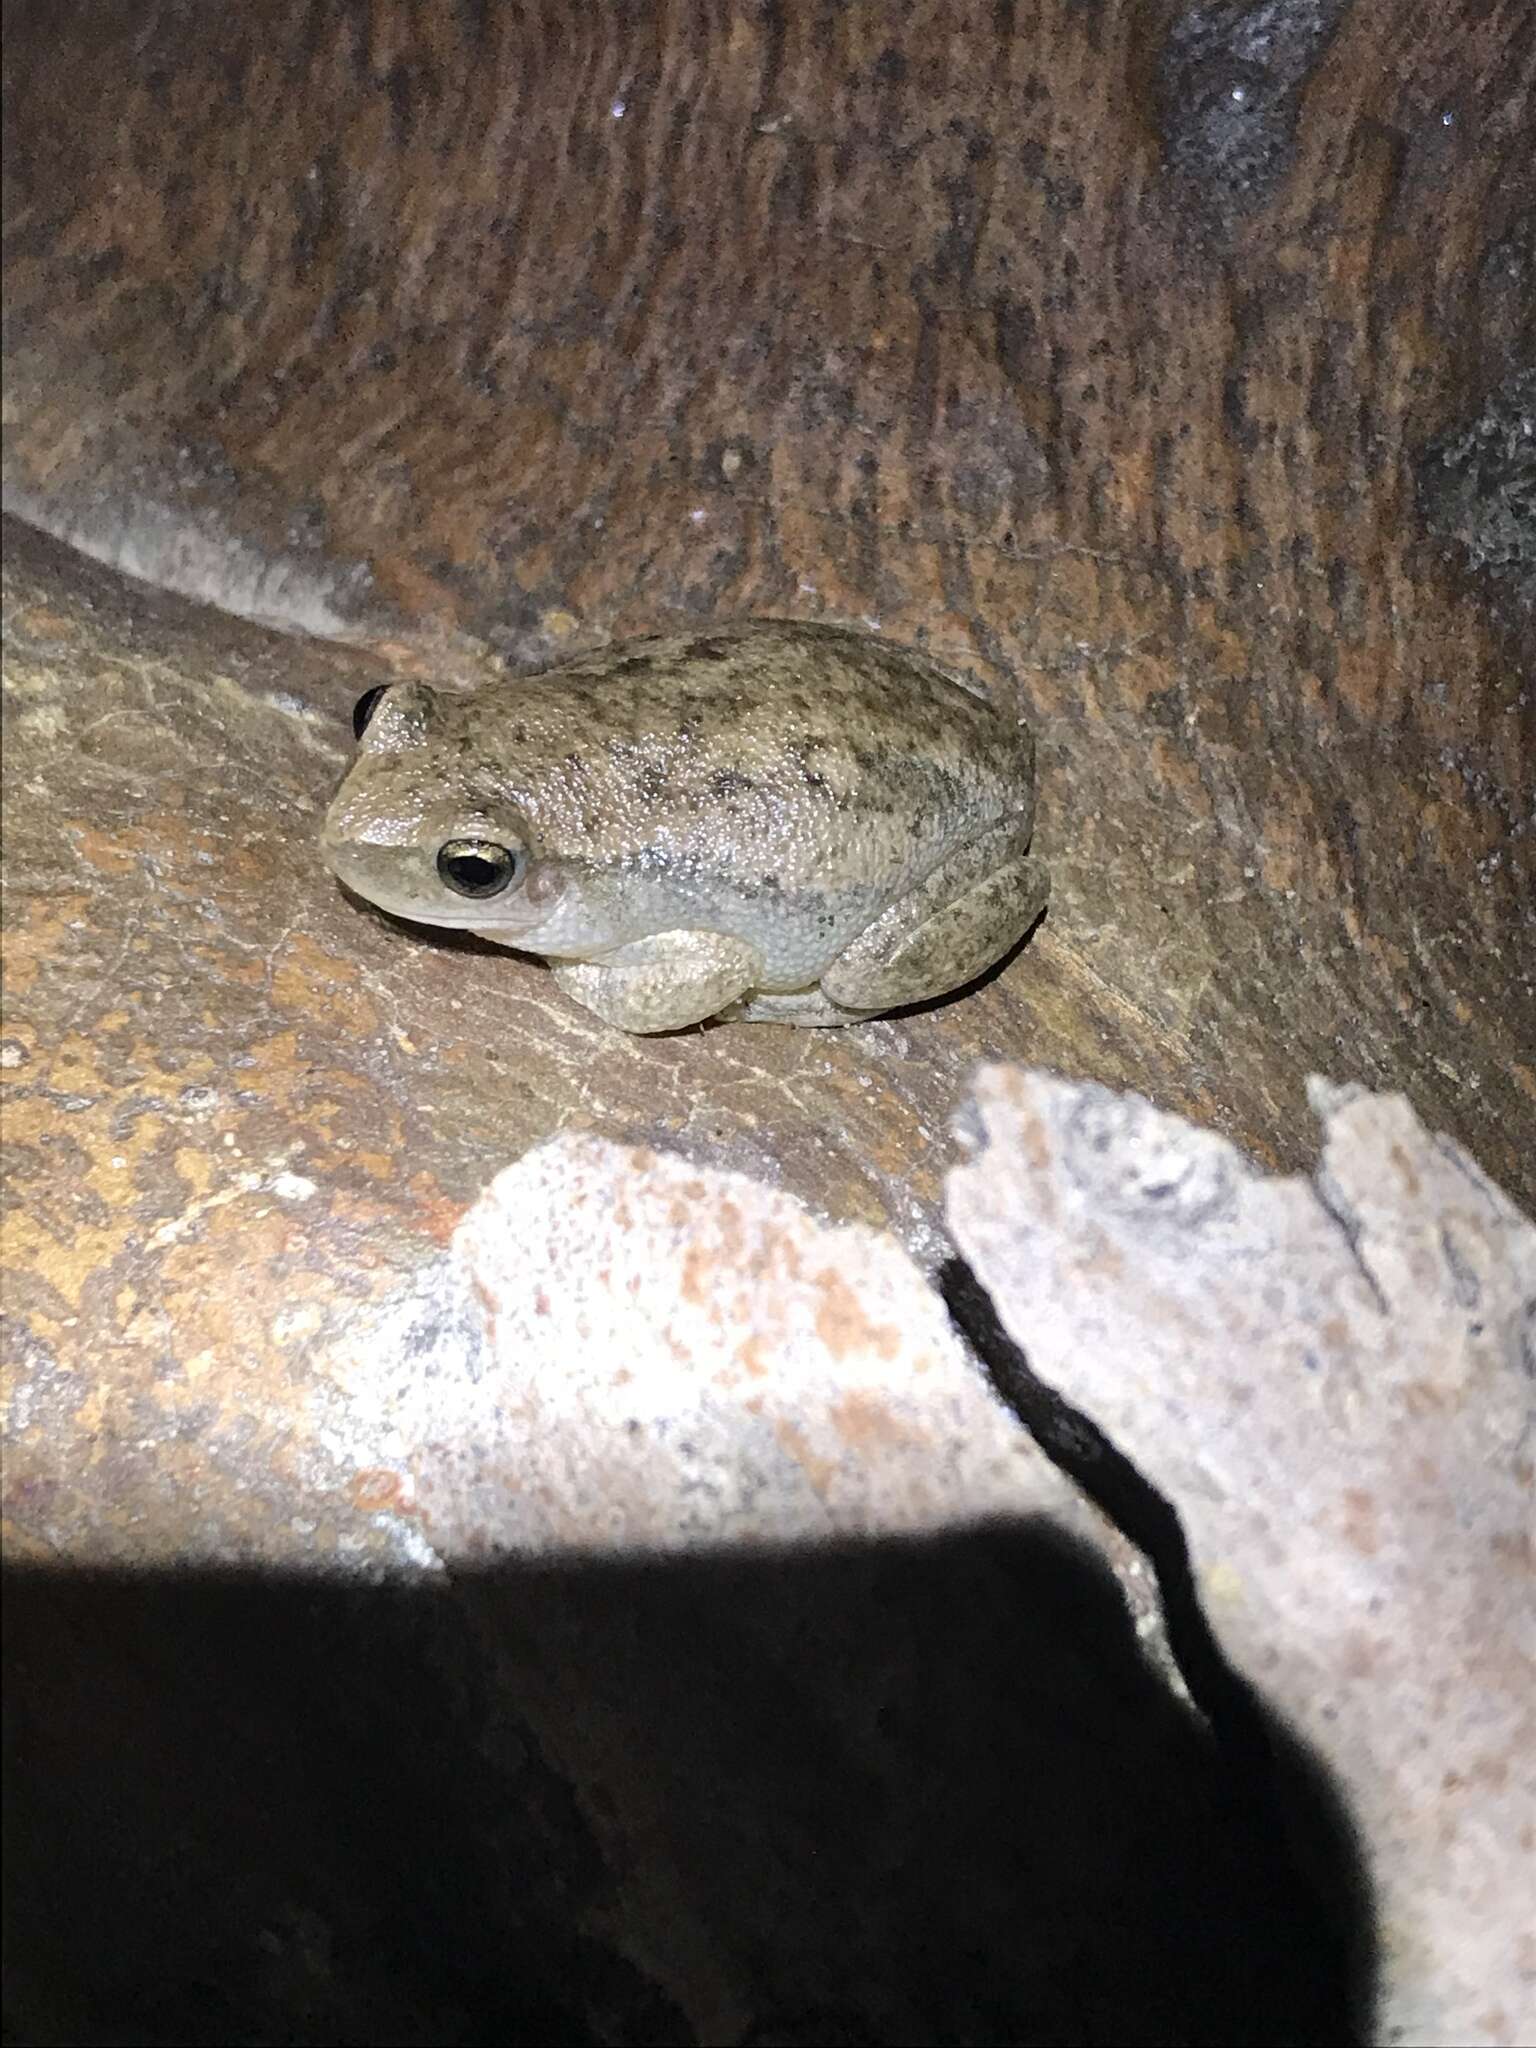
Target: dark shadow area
x=896 y=1792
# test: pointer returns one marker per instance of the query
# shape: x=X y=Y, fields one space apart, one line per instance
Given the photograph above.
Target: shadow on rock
x=901 y=1791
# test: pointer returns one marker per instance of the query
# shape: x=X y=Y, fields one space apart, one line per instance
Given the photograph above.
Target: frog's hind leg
x=973 y=908
x=663 y=983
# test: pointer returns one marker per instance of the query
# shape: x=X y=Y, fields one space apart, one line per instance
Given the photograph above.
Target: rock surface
x=1159 y=367
x=1331 y=1378
x=683 y=1359
x=244 y=1115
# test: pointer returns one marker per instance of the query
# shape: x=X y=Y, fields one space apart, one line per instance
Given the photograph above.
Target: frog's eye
x=476 y=867
x=365 y=707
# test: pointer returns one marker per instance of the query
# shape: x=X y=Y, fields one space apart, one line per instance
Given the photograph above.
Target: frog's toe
x=972 y=909
x=806 y=1006
x=663 y=983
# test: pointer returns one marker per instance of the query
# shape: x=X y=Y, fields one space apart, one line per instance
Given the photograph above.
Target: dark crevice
x=1333 y=1200
x=1078 y=1447
x=1273 y=1776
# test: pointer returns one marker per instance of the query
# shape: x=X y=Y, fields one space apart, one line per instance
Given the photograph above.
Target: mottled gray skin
x=782 y=823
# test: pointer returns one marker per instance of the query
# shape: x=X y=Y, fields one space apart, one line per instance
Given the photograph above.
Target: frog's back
x=794 y=749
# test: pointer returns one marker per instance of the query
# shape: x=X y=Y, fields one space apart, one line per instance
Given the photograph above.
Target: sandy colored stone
x=679 y=1359
x=1330 y=1377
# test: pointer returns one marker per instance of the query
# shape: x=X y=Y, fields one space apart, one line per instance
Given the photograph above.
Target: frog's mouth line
x=362 y=883
x=452 y=932
x=395 y=873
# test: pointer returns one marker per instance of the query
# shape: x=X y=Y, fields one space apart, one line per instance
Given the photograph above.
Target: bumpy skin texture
x=776 y=822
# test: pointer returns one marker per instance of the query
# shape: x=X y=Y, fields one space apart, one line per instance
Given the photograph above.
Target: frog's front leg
x=663 y=983
x=968 y=912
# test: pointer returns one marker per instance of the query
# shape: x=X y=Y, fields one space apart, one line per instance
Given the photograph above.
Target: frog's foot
x=976 y=904
x=663 y=983
x=805 y=1006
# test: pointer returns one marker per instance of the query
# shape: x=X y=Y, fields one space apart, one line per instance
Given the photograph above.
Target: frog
x=765 y=821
